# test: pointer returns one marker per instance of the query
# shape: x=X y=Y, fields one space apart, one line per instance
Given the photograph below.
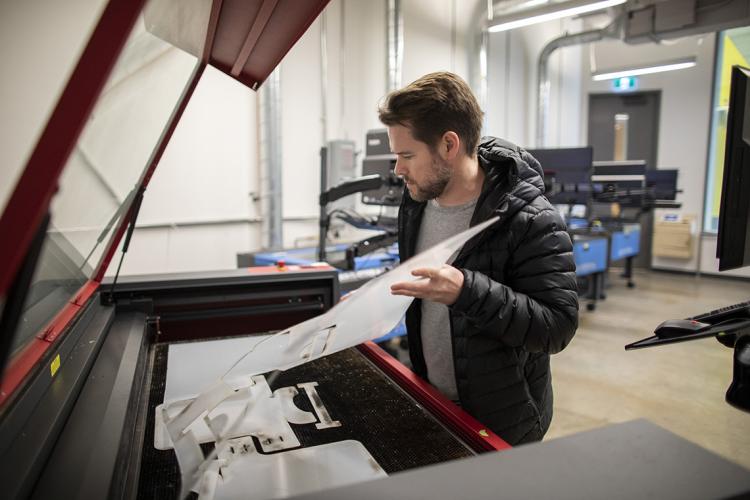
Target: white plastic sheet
x=295 y=472
x=370 y=313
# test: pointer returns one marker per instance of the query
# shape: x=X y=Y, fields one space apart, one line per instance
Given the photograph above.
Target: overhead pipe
x=543 y=85
x=270 y=160
x=477 y=53
x=324 y=78
x=342 y=70
x=484 y=48
x=394 y=45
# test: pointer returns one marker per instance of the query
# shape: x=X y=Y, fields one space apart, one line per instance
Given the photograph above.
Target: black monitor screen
x=390 y=193
x=733 y=249
x=662 y=184
x=569 y=169
x=622 y=182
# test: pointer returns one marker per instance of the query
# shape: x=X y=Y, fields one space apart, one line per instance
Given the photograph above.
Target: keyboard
x=735 y=311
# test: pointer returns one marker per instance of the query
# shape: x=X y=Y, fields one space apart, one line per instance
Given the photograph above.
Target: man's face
x=426 y=174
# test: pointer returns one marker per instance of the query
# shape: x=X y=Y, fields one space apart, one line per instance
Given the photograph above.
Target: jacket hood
x=517 y=161
x=513 y=178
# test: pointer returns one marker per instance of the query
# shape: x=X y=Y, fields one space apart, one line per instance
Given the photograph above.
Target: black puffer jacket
x=518 y=304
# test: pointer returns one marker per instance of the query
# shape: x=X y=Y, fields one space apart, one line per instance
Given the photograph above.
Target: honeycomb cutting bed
x=397 y=431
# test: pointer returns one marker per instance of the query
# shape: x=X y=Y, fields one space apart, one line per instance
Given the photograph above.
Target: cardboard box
x=673 y=237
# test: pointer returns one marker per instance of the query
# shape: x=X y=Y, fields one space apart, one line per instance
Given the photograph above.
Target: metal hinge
x=155 y=322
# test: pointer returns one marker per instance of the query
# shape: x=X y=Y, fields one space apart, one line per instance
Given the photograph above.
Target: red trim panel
x=282 y=268
x=32 y=195
x=464 y=425
x=25 y=361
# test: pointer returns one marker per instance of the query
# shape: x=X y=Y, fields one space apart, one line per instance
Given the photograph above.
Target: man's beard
x=435 y=184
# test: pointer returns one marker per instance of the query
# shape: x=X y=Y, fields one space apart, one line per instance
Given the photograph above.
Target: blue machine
x=626 y=242
x=574 y=223
x=308 y=255
x=590 y=254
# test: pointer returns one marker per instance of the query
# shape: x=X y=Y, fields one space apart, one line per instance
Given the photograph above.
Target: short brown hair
x=433 y=105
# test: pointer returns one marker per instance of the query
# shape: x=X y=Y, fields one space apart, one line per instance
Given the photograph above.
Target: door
x=639 y=114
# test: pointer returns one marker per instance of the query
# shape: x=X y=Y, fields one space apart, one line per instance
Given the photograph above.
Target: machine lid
x=102 y=142
x=251 y=37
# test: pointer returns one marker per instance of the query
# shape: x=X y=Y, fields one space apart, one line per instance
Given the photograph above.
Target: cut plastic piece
x=209 y=481
x=294 y=415
x=318 y=344
x=205 y=402
x=325 y=419
x=253 y=410
x=297 y=472
x=189 y=458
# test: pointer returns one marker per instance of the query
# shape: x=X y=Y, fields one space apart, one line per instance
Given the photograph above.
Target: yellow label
x=55 y=365
x=484 y=433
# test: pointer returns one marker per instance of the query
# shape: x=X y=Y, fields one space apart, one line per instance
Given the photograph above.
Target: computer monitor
x=571 y=170
x=619 y=181
x=733 y=248
x=662 y=184
x=389 y=194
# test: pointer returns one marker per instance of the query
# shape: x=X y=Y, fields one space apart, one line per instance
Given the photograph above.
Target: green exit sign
x=625 y=83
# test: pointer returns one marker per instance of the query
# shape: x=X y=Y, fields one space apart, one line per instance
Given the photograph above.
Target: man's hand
x=441 y=285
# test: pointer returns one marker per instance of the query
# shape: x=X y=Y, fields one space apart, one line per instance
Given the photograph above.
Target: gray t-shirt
x=439 y=223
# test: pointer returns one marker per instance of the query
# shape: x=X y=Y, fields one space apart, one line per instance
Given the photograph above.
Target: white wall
x=198 y=212
x=428 y=29
x=41 y=62
x=710 y=264
x=506 y=112
x=513 y=58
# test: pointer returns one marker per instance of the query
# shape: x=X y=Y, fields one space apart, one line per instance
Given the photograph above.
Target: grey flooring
x=680 y=387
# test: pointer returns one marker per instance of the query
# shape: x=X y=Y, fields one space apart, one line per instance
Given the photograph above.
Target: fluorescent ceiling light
x=534 y=3
x=645 y=70
x=550 y=12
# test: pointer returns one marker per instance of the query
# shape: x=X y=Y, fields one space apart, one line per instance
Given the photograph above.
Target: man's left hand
x=441 y=285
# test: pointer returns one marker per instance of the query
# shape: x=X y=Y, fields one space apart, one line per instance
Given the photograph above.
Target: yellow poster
x=731 y=55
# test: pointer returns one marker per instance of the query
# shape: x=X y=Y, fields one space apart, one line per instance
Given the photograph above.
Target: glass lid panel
x=113 y=151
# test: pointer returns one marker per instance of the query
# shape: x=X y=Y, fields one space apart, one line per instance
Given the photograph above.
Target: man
x=482 y=329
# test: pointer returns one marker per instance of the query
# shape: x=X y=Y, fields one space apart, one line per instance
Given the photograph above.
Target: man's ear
x=450 y=145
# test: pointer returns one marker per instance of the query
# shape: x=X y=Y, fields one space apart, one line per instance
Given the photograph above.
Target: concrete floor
x=680 y=387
